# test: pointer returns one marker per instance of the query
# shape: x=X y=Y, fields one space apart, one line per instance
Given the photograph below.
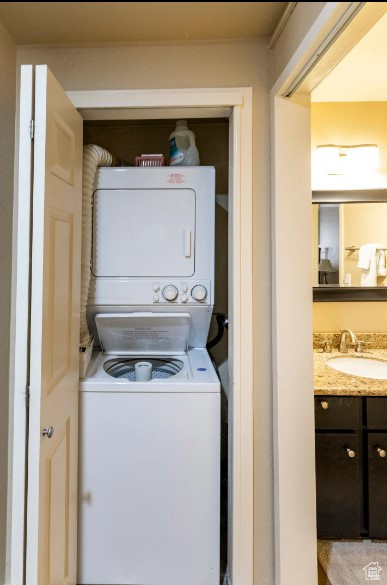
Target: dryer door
x=144 y=232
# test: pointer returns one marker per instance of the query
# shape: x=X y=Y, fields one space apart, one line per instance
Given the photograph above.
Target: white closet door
x=55 y=294
x=121 y=227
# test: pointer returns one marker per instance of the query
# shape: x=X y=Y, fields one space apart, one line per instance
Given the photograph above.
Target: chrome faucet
x=343 y=343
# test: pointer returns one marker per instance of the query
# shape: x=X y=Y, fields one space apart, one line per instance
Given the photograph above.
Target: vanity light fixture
x=355 y=159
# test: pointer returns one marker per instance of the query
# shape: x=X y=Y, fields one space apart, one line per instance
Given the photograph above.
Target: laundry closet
x=193 y=333
x=149 y=492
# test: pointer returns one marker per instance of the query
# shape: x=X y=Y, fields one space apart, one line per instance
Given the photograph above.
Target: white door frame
x=237 y=101
x=19 y=331
x=240 y=297
x=293 y=400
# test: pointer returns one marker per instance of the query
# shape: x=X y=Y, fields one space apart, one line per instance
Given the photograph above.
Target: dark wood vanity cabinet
x=377 y=485
x=338 y=485
x=351 y=466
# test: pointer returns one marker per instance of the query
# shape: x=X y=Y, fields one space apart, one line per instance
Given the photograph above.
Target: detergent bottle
x=182 y=147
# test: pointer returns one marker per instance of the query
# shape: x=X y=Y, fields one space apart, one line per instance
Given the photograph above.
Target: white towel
x=382 y=271
x=369 y=259
x=365 y=254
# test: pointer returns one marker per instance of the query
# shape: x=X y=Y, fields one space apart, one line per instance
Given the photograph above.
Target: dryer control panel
x=184 y=293
x=152 y=291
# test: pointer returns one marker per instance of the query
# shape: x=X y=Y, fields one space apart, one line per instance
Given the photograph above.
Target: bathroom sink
x=364 y=367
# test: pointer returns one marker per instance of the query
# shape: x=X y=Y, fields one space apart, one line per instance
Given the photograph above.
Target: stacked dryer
x=150 y=400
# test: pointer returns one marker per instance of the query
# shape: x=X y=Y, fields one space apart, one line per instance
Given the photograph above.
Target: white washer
x=149 y=457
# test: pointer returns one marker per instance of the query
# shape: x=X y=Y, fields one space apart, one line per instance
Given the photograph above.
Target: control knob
x=199 y=292
x=170 y=293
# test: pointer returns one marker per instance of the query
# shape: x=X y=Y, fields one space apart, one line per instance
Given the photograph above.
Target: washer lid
x=143 y=333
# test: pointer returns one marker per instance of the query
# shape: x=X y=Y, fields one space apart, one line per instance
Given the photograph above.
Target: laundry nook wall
x=215 y=64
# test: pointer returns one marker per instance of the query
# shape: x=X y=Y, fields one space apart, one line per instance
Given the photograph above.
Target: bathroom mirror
x=349 y=245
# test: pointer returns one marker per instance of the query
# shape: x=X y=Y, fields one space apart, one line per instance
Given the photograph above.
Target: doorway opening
x=294 y=438
x=295 y=433
x=353 y=114
x=127 y=139
x=233 y=109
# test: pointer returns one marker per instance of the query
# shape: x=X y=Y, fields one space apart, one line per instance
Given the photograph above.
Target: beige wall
x=352 y=123
x=211 y=64
x=7 y=134
x=364 y=317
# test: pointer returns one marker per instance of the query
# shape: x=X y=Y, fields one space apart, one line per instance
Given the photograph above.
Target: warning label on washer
x=143 y=333
x=146 y=333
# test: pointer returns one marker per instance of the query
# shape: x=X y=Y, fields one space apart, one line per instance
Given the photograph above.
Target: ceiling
x=37 y=23
x=362 y=74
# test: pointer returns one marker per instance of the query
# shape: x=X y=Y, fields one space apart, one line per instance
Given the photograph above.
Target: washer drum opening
x=162 y=368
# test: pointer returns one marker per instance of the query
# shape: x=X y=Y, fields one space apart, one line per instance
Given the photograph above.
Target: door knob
x=382 y=452
x=324 y=404
x=48 y=432
x=350 y=452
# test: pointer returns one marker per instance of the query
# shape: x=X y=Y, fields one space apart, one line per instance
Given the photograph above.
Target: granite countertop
x=330 y=381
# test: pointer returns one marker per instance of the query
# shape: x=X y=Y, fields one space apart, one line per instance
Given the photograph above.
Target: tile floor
x=322 y=578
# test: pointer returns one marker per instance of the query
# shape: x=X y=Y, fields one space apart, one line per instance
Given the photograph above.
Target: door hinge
x=27 y=395
x=32 y=129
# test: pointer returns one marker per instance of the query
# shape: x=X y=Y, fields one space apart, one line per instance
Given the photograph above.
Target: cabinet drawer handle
x=382 y=452
x=350 y=452
x=324 y=404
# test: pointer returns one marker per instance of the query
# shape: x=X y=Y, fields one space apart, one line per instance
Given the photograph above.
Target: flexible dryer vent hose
x=93 y=157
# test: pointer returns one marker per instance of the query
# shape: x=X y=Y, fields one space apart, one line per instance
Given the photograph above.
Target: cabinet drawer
x=377 y=413
x=337 y=412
